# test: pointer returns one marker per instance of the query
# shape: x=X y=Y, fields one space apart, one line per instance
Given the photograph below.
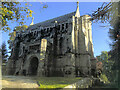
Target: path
x=19 y=82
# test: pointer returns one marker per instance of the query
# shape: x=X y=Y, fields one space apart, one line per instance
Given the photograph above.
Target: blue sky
x=100 y=34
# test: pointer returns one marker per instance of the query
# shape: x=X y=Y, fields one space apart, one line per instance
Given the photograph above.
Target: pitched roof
x=51 y=21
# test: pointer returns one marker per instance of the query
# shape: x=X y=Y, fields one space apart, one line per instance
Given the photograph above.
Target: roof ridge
x=58 y=17
x=53 y=18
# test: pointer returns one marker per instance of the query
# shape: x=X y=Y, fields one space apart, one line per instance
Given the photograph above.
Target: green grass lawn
x=56 y=82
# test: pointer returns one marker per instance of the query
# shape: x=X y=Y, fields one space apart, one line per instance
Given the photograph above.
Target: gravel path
x=19 y=82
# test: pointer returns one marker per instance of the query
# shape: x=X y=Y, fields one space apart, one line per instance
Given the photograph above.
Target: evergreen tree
x=4 y=54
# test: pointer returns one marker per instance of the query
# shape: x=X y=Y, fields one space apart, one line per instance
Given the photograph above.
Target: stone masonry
x=60 y=46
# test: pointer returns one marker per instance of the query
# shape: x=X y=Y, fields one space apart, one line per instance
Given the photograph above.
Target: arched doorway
x=33 y=66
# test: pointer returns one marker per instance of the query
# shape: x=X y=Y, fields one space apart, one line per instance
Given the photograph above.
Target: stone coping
x=83 y=83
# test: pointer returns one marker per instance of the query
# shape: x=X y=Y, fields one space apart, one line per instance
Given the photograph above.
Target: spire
x=32 y=21
x=77 y=14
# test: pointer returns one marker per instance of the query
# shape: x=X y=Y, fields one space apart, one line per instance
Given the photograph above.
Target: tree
x=114 y=34
x=14 y=11
x=107 y=64
x=111 y=13
x=104 y=58
x=13 y=34
x=4 y=53
x=103 y=13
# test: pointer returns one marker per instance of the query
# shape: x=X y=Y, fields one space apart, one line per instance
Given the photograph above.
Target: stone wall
x=65 y=47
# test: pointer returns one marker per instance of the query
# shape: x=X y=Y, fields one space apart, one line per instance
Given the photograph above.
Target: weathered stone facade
x=58 y=47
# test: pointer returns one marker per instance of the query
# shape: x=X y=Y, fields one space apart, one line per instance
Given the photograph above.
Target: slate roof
x=51 y=21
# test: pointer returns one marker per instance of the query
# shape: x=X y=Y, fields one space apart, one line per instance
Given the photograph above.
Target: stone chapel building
x=60 y=46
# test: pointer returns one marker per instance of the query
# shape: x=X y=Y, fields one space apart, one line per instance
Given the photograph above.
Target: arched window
x=66 y=25
x=43 y=45
x=62 y=26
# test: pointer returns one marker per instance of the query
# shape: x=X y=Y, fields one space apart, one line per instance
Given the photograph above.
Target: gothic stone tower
x=82 y=43
x=60 y=46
